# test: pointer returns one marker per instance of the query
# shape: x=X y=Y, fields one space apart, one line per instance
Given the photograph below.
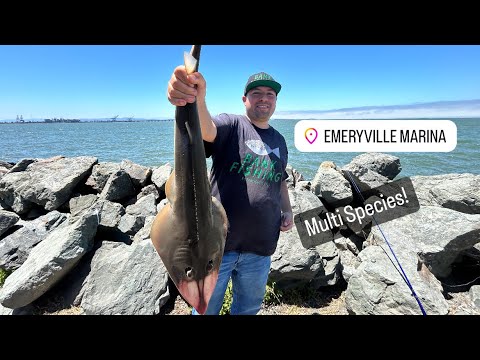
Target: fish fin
x=170 y=188
x=160 y=232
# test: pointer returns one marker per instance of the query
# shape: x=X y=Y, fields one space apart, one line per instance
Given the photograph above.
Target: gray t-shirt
x=248 y=168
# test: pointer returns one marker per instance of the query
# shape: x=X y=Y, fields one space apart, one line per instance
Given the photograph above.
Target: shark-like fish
x=189 y=232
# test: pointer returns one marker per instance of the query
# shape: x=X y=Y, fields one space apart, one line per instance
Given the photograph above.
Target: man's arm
x=209 y=130
x=287 y=214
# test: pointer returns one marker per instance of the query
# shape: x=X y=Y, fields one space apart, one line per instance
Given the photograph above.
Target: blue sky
x=80 y=81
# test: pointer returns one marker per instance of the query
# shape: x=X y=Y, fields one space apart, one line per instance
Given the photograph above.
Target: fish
x=260 y=148
x=190 y=231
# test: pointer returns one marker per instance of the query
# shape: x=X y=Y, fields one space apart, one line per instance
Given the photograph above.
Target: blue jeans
x=249 y=273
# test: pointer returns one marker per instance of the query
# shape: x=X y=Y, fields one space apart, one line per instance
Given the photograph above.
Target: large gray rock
x=134 y=219
x=160 y=176
x=331 y=186
x=139 y=174
x=378 y=288
x=15 y=248
x=425 y=243
x=295 y=266
x=79 y=204
x=372 y=170
x=384 y=164
x=7 y=220
x=438 y=235
x=125 y=280
x=48 y=183
x=364 y=178
x=109 y=214
x=100 y=174
x=119 y=186
x=49 y=262
x=460 y=192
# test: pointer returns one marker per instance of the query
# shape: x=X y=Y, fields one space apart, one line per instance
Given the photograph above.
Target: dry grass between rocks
x=461 y=304
x=55 y=306
x=325 y=301
x=324 y=304
x=332 y=303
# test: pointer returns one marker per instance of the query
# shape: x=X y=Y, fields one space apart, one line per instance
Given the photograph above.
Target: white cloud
x=439 y=109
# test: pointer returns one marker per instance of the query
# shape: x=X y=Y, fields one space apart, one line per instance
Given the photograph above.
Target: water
x=150 y=143
x=465 y=158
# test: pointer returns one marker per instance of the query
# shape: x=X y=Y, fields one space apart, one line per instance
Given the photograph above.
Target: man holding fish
x=249 y=158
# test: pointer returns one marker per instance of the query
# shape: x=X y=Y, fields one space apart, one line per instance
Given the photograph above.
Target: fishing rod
x=402 y=273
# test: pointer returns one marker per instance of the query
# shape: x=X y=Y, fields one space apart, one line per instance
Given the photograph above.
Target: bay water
x=150 y=143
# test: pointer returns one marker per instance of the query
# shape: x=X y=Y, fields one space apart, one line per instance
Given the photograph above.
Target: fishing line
x=403 y=274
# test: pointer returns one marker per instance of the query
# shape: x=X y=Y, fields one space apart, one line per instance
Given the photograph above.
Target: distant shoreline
x=68 y=121
x=80 y=121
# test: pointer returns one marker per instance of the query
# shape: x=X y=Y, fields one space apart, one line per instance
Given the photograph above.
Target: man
x=248 y=176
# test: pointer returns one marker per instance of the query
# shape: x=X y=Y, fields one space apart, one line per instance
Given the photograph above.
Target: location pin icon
x=311 y=135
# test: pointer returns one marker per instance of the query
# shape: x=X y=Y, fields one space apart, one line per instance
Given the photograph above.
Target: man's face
x=260 y=103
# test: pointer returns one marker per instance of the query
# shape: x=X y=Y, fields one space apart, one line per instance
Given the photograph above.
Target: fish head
x=193 y=262
x=195 y=270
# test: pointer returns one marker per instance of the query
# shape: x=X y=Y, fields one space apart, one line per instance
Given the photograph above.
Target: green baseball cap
x=262 y=79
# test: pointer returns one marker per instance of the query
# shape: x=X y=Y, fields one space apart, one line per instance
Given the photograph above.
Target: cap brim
x=271 y=84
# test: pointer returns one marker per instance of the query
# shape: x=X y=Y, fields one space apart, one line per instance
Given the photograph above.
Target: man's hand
x=183 y=88
x=287 y=221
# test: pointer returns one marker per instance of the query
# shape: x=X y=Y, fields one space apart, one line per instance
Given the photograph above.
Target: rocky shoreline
x=77 y=229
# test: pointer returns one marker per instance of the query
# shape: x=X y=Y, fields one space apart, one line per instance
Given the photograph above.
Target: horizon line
x=432 y=109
